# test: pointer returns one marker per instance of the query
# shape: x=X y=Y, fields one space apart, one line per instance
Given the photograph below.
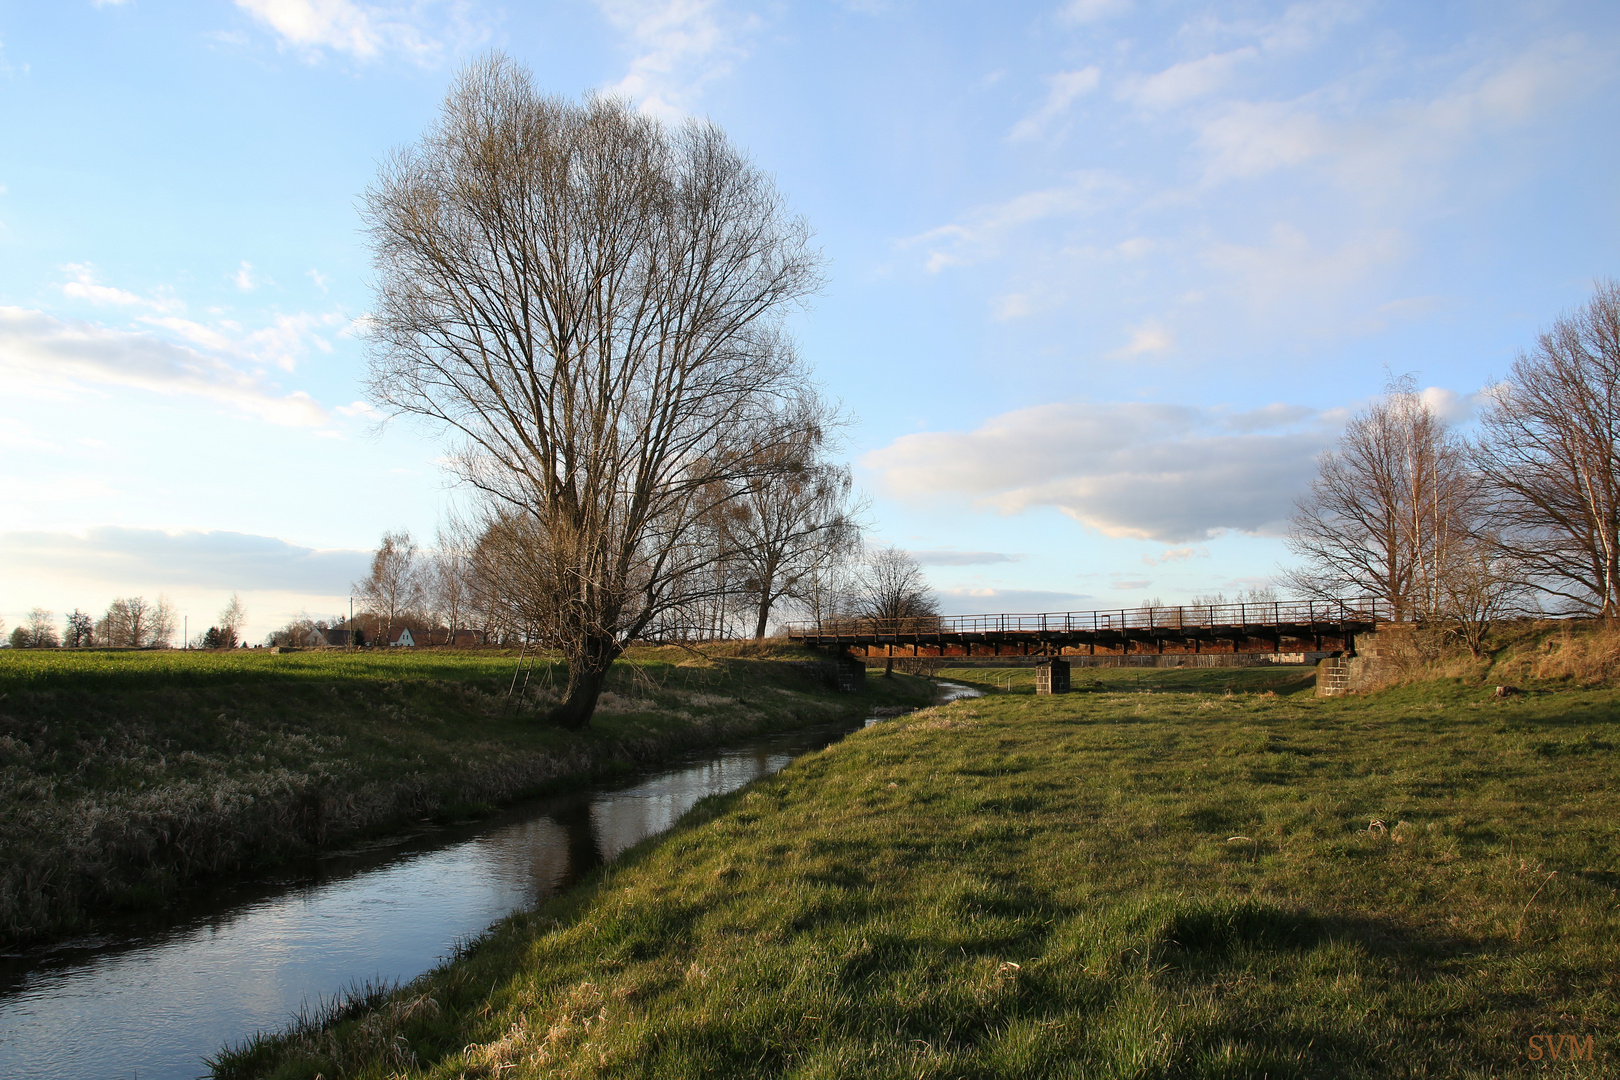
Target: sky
x=1104 y=276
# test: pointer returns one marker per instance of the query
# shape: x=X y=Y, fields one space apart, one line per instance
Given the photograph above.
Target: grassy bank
x=124 y=775
x=1223 y=877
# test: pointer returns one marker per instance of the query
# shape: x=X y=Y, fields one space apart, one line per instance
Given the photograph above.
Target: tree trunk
x=764 y=617
x=587 y=674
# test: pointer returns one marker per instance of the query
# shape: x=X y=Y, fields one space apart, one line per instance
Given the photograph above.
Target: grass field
x=123 y=775
x=1206 y=873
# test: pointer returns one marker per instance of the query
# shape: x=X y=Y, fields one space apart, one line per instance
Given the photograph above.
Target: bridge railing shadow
x=1177 y=619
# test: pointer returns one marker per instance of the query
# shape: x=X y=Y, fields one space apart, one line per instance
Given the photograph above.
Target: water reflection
x=153 y=1004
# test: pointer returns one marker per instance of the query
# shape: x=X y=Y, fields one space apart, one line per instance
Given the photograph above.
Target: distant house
x=402 y=637
x=463 y=638
x=338 y=636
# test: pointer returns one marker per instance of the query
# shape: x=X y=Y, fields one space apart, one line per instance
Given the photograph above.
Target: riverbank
x=125 y=776
x=1200 y=881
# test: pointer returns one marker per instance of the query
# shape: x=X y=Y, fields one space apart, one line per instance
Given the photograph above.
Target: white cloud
x=982 y=232
x=1086 y=11
x=1183 y=82
x=680 y=45
x=1304 y=25
x=245 y=278
x=1172 y=473
x=946 y=557
x=1150 y=337
x=283 y=343
x=320 y=279
x=1252 y=138
x=85 y=286
x=40 y=348
x=364 y=31
x=1177 y=554
x=1013 y=306
x=1279 y=273
x=1404 y=145
x=1450 y=406
x=1062 y=89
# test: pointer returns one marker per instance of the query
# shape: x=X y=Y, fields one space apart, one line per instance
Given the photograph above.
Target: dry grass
x=1586 y=655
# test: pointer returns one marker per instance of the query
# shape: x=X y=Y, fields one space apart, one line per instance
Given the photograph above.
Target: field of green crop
x=1179 y=874
x=124 y=775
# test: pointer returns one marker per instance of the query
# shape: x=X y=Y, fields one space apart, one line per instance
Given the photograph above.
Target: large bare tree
x=1550 y=450
x=590 y=303
x=1387 y=508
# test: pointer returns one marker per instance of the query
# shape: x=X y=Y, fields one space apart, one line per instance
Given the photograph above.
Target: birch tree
x=789 y=523
x=1550 y=451
x=394 y=586
x=1387 y=510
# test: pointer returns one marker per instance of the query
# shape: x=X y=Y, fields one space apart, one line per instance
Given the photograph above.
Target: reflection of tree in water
x=535 y=855
x=625 y=818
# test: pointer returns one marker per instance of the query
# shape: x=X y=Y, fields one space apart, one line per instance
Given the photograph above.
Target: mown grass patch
x=1187 y=883
x=125 y=774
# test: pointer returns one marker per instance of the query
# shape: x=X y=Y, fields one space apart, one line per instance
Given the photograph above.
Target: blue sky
x=1104 y=275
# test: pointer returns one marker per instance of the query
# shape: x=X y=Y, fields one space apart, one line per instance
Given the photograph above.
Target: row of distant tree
x=129 y=623
x=1459 y=532
x=799 y=556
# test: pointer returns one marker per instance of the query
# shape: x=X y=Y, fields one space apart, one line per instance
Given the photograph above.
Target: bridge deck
x=1309 y=624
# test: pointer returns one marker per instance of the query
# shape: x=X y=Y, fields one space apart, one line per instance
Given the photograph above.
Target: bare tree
x=891 y=589
x=1386 y=508
x=137 y=623
x=231 y=620
x=41 y=631
x=791 y=520
x=393 y=588
x=591 y=302
x=1550 y=451
x=829 y=589
x=1481 y=584
x=452 y=580
x=301 y=631
x=80 y=632
x=890 y=586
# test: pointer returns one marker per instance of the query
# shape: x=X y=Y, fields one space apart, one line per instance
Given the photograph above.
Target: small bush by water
x=1202 y=873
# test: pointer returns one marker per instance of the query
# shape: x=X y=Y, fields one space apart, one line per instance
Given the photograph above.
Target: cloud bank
x=136 y=559
x=1172 y=473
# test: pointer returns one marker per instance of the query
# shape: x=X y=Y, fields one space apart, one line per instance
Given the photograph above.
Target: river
x=149 y=1001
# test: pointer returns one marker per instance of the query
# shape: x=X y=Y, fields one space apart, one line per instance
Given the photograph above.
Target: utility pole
x=185 y=631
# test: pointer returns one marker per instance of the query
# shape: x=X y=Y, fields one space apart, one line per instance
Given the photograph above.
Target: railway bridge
x=1275 y=627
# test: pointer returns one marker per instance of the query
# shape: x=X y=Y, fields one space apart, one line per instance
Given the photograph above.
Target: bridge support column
x=1052 y=676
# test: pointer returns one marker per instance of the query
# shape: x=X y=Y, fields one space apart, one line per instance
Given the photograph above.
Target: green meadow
x=1176 y=873
x=124 y=776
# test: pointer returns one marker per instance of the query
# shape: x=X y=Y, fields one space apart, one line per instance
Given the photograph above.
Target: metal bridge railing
x=1170 y=619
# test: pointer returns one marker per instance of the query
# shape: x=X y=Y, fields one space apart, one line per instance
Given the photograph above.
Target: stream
x=149 y=1002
